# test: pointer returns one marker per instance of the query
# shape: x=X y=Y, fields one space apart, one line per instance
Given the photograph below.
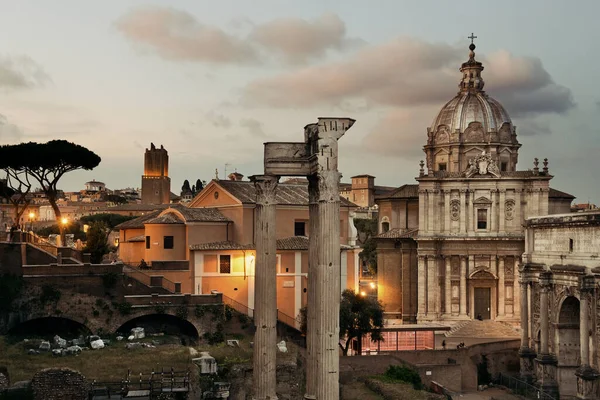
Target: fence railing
x=39 y=242
x=289 y=320
x=523 y=388
x=147 y=279
x=153 y=384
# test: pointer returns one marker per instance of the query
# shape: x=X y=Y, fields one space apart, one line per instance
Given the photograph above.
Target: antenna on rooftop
x=226 y=165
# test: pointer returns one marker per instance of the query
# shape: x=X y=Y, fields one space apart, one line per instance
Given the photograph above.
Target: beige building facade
x=450 y=247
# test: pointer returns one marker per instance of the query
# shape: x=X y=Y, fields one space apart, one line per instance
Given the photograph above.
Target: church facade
x=449 y=247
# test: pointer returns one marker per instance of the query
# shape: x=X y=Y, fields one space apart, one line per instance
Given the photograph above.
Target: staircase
x=483 y=329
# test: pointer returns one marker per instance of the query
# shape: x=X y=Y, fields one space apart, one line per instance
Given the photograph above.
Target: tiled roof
x=138 y=223
x=140 y=238
x=225 y=245
x=403 y=192
x=138 y=207
x=398 y=233
x=287 y=193
x=290 y=243
x=558 y=194
x=199 y=214
x=168 y=218
x=293 y=243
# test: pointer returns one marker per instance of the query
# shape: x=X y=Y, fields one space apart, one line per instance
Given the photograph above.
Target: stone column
x=446 y=211
x=501 y=206
x=463 y=211
x=546 y=362
x=327 y=286
x=493 y=210
x=516 y=292
x=518 y=217
x=265 y=300
x=526 y=354
x=422 y=225
x=463 y=286
x=421 y=288
x=448 y=286
x=432 y=287
x=313 y=265
x=470 y=218
x=588 y=378
x=431 y=209
x=501 y=287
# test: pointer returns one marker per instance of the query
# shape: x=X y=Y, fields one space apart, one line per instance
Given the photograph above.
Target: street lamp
x=64 y=221
x=31 y=217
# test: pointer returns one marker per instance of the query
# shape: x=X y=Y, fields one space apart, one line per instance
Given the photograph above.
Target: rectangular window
x=225 y=264
x=482 y=219
x=299 y=228
x=442 y=166
x=168 y=242
x=503 y=166
x=147 y=242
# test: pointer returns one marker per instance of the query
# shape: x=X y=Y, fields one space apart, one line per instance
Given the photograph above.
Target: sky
x=212 y=81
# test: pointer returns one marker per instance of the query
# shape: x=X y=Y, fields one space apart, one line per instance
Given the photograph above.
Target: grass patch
x=108 y=364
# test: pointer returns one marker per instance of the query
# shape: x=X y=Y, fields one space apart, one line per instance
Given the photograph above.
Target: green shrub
x=123 y=308
x=400 y=373
x=182 y=312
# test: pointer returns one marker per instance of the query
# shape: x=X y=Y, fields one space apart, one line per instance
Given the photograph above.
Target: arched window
x=385 y=226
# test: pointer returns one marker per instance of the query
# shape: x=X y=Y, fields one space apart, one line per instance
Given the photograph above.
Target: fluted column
x=446 y=211
x=502 y=207
x=431 y=209
x=265 y=294
x=463 y=286
x=463 y=211
x=587 y=376
x=501 y=287
x=422 y=220
x=327 y=286
x=432 y=287
x=470 y=212
x=524 y=316
x=545 y=284
x=518 y=213
x=448 y=286
x=546 y=361
x=313 y=265
x=493 y=210
x=421 y=288
x=517 y=297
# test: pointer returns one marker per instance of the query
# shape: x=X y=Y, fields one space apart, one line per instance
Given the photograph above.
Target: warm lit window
x=168 y=242
x=299 y=228
x=225 y=264
x=482 y=218
x=147 y=242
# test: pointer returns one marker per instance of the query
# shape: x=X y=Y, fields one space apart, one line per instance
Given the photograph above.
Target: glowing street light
x=65 y=221
x=363 y=293
x=372 y=285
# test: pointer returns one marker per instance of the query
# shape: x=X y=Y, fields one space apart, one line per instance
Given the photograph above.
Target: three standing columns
x=265 y=293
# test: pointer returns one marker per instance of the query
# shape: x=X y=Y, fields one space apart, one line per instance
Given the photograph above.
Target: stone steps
x=483 y=329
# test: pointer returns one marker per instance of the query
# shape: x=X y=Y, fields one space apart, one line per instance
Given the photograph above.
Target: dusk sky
x=213 y=80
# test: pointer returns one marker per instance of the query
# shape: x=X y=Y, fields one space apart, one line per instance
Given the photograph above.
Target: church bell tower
x=156 y=184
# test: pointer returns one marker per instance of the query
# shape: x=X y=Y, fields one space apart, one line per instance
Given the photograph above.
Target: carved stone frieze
x=509 y=209
x=455 y=210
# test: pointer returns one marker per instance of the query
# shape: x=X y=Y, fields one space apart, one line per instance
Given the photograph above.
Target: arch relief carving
x=474 y=133
x=442 y=135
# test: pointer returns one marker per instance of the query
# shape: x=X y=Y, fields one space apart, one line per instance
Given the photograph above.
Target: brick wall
x=59 y=384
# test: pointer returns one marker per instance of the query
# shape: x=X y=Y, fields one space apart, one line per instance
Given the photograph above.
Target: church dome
x=469 y=124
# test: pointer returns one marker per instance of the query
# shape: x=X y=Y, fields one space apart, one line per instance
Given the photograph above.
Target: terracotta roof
x=225 y=245
x=290 y=243
x=398 y=233
x=558 y=194
x=198 y=214
x=403 y=192
x=140 y=238
x=287 y=193
x=138 y=223
x=138 y=207
x=168 y=218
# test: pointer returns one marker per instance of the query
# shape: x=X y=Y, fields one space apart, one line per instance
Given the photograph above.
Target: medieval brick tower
x=156 y=184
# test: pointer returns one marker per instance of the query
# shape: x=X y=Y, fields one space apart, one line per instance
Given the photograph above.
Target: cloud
x=299 y=40
x=254 y=126
x=408 y=72
x=21 y=72
x=529 y=127
x=218 y=120
x=177 y=35
x=9 y=131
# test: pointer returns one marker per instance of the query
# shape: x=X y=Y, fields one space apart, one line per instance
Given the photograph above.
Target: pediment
x=482 y=200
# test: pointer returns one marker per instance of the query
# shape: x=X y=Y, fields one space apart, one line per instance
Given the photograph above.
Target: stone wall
x=59 y=384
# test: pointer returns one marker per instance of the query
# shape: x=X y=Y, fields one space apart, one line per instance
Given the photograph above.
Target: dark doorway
x=50 y=326
x=483 y=303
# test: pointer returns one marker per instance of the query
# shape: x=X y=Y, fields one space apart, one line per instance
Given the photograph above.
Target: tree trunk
x=57 y=214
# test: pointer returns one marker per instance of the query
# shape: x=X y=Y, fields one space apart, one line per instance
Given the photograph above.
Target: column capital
x=587 y=284
x=447 y=191
x=266 y=188
x=464 y=190
x=545 y=281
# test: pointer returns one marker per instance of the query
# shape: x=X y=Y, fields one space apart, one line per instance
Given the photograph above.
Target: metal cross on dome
x=472 y=37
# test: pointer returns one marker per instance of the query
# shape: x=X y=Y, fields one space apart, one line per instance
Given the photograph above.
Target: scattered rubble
x=138 y=333
x=282 y=347
x=206 y=363
x=45 y=346
x=138 y=345
x=233 y=343
x=60 y=342
x=97 y=344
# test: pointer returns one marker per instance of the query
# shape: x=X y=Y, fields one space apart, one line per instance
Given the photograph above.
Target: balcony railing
x=151 y=281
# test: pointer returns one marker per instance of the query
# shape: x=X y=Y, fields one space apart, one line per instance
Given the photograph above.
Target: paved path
x=488 y=394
